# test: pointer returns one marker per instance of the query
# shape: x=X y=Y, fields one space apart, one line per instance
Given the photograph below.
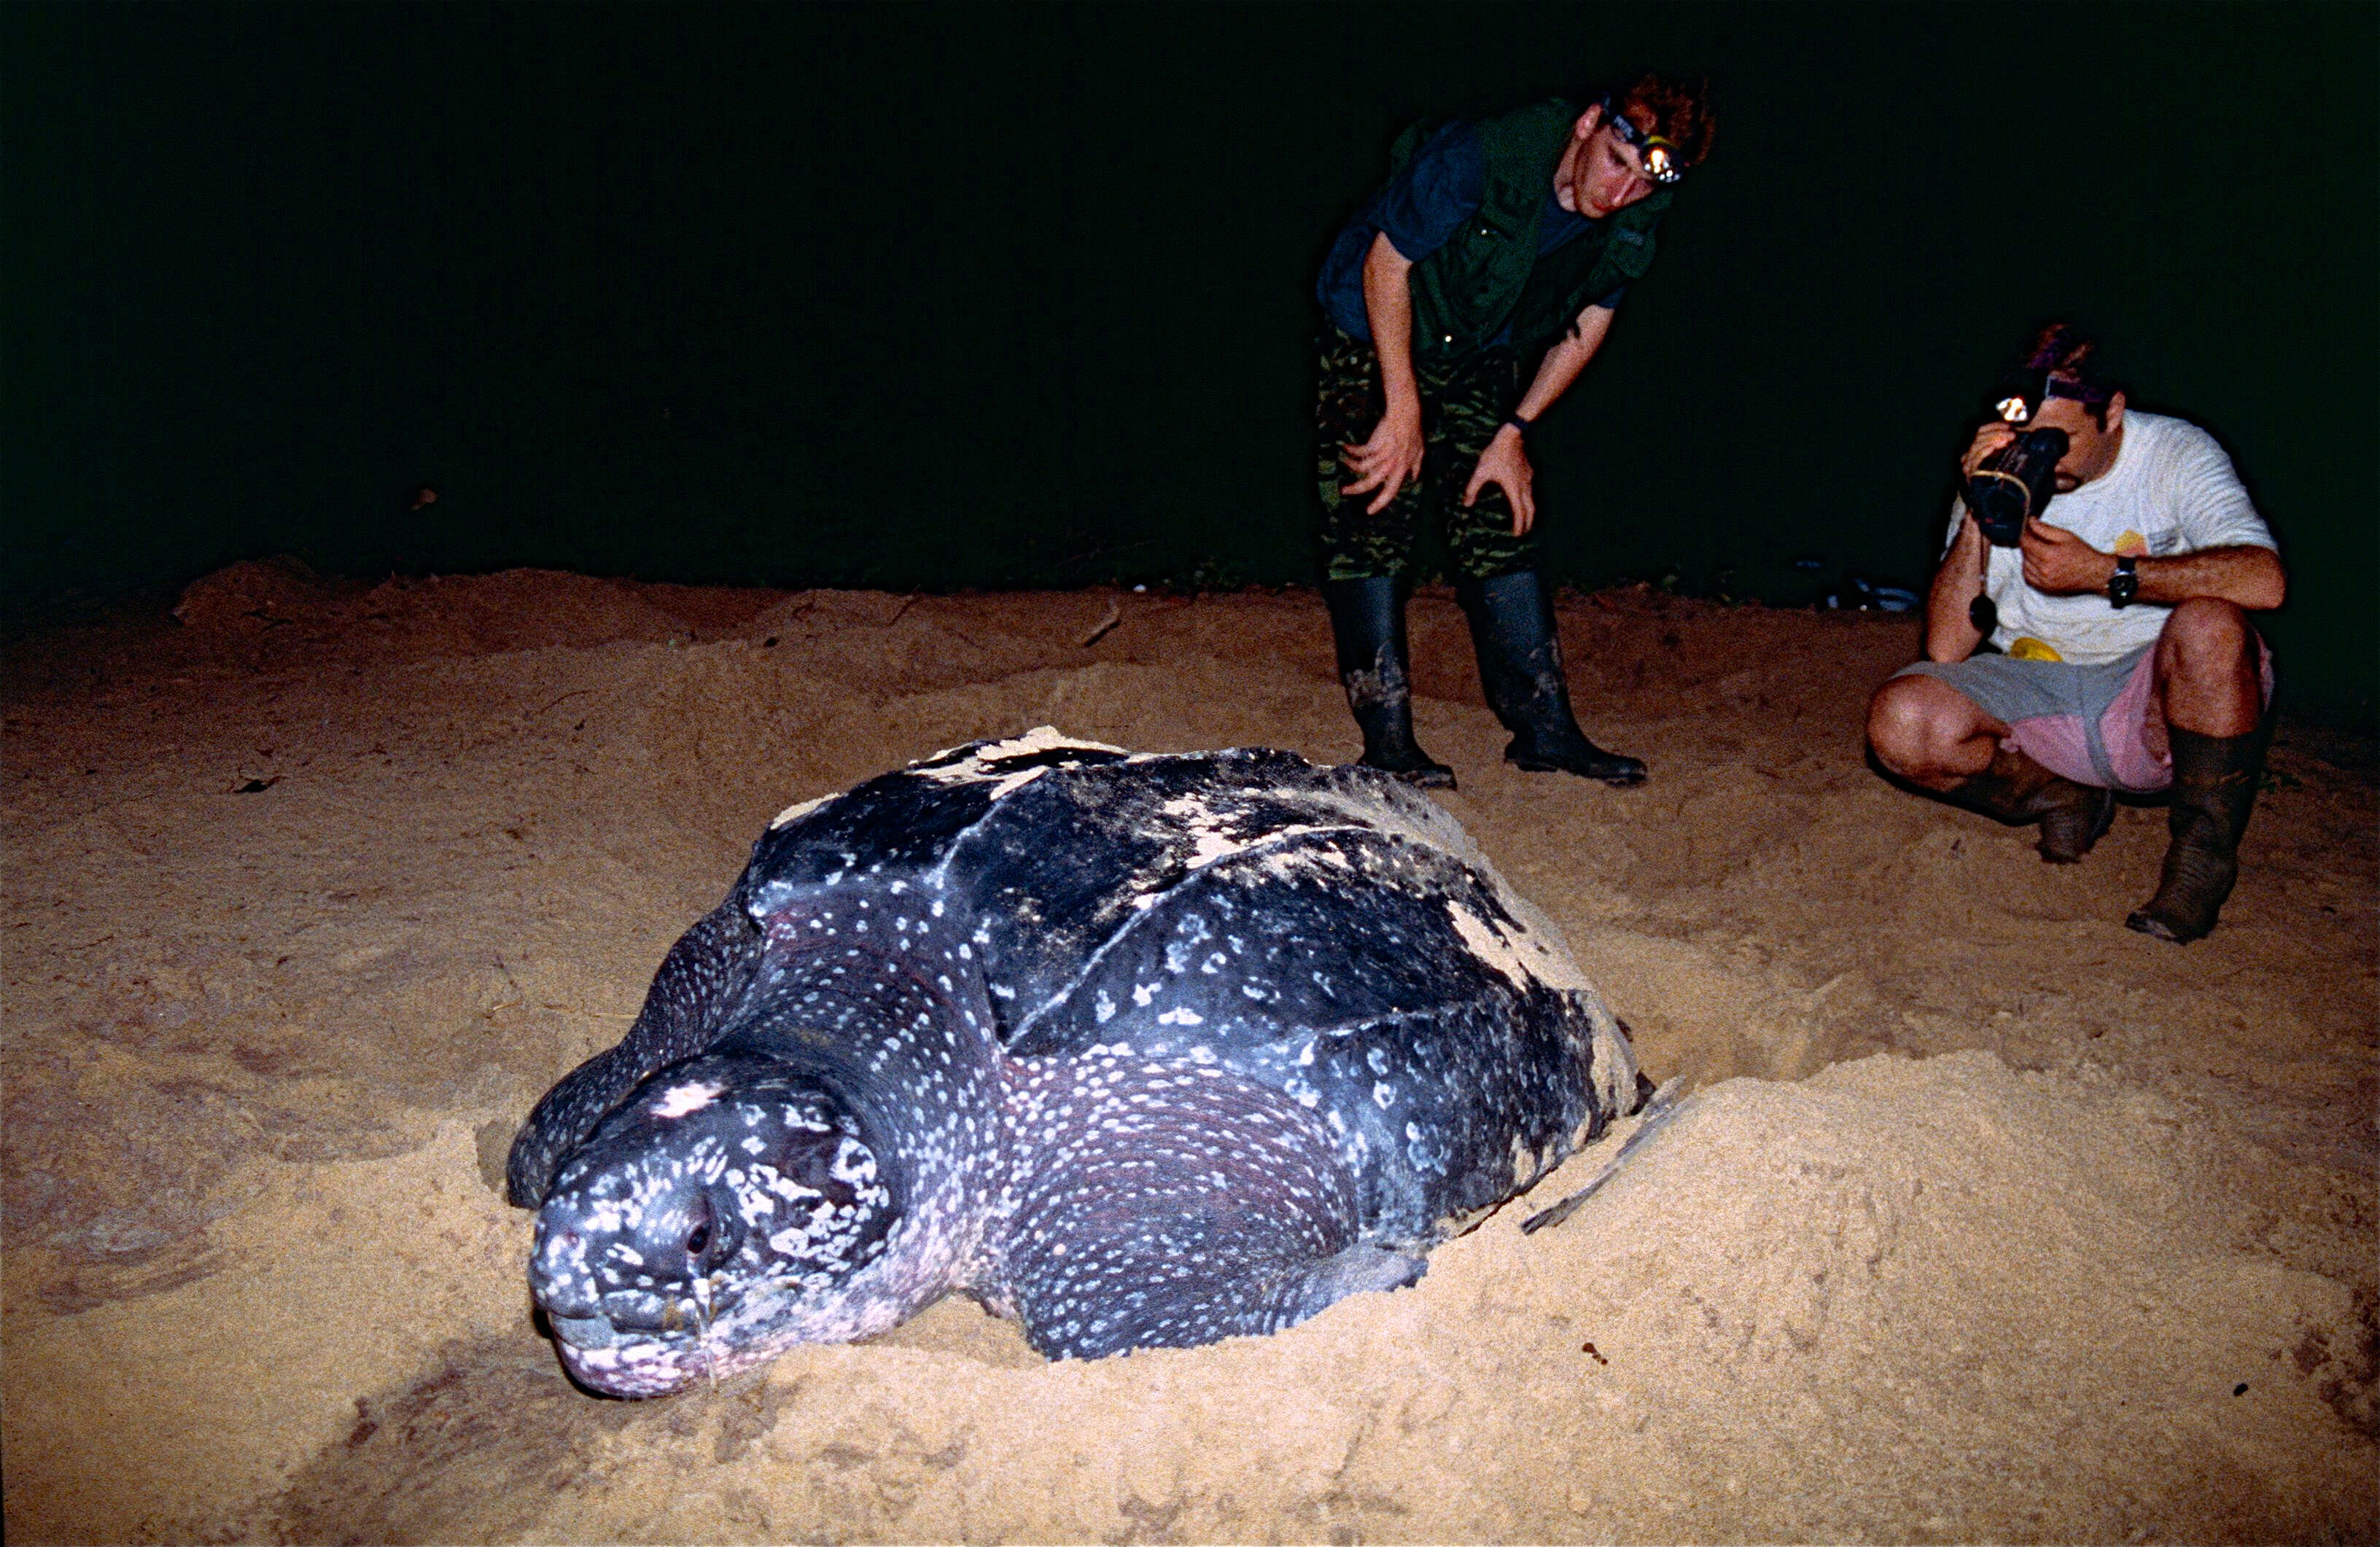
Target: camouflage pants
x=1462 y=406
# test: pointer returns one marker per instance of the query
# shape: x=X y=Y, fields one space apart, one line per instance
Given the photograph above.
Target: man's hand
x=2059 y=563
x=1505 y=463
x=1989 y=439
x=1390 y=459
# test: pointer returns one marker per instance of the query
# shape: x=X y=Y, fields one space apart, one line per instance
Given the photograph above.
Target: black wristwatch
x=1524 y=426
x=2125 y=583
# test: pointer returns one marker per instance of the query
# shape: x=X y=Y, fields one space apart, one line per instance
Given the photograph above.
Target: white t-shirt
x=2171 y=490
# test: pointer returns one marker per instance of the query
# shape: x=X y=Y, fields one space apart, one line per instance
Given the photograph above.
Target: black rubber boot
x=2016 y=790
x=2213 y=787
x=1367 y=622
x=1521 y=670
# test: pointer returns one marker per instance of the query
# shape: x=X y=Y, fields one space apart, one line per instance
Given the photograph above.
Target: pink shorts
x=2097 y=725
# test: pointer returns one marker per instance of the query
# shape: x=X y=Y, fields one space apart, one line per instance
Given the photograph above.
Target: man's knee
x=2205 y=638
x=1911 y=720
x=1485 y=549
x=1927 y=731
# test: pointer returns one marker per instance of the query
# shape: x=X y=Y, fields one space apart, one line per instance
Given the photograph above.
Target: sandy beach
x=1987 y=1220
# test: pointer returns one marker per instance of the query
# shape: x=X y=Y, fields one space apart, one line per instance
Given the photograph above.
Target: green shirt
x=1489 y=275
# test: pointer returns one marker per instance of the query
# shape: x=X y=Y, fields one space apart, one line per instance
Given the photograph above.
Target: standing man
x=2123 y=657
x=1494 y=244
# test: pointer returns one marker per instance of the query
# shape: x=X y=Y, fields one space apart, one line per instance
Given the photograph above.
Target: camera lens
x=2013 y=483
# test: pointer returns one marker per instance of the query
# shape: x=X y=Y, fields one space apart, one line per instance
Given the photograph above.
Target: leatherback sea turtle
x=1143 y=1051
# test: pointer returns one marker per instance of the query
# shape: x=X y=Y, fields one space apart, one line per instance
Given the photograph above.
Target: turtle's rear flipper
x=1187 y=1205
x=1651 y=1117
x=1352 y=1272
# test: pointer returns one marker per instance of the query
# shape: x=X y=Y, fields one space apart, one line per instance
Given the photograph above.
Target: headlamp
x=1660 y=155
x=2021 y=396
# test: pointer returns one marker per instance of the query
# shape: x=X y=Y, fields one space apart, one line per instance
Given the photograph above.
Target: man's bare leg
x=1930 y=734
x=1938 y=738
x=2209 y=669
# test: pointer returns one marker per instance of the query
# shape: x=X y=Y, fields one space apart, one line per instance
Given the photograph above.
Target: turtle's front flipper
x=1170 y=1205
x=707 y=971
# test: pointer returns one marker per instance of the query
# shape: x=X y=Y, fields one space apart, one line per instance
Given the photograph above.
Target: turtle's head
x=712 y=1221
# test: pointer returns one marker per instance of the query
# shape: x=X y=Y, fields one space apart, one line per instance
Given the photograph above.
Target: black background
x=912 y=296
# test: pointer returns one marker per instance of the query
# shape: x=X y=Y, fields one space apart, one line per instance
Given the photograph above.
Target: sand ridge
x=1985 y=1219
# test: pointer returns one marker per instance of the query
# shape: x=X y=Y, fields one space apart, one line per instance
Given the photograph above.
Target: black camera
x=2013 y=483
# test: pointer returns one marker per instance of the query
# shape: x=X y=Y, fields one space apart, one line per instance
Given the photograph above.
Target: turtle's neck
x=875 y=1002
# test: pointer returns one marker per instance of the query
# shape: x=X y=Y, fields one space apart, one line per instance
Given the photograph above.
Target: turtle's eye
x=698 y=1240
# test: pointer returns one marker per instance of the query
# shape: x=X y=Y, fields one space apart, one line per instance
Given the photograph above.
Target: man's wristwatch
x=1524 y=426
x=2125 y=583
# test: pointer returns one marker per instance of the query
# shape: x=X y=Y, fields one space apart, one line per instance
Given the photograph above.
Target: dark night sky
x=910 y=296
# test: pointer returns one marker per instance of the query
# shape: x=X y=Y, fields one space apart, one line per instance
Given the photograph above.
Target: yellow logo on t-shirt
x=2026 y=648
x=2131 y=542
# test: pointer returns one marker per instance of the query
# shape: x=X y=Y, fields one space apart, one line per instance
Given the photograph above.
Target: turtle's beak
x=585 y=1332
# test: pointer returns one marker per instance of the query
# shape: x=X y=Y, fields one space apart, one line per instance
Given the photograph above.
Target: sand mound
x=1905 y=1300
x=1989 y=1220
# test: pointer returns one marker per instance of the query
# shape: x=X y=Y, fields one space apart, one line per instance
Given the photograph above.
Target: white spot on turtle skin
x=1514 y=951
x=1041 y=737
x=1017 y=781
x=797 y=812
x=1180 y=1017
x=679 y=1100
x=974 y=769
x=1142 y=992
x=1104 y=1008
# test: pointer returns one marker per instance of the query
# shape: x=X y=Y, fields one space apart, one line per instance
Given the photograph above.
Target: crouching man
x=2120 y=654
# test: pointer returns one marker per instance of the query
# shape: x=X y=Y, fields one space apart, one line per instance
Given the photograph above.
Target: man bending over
x=1462 y=303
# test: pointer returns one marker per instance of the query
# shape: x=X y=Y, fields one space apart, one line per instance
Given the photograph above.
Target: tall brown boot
x=2214 y=787
x=2016 y=790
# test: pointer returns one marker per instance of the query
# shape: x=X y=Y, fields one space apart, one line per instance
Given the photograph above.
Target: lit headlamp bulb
x=1658 y=164
x=2012 y=410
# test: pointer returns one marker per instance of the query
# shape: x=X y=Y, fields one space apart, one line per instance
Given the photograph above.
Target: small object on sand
x=1114 y=616
x=1589 y=1349
x=1142 y=1051
x=257 y=786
